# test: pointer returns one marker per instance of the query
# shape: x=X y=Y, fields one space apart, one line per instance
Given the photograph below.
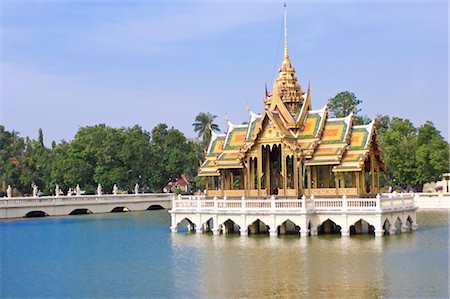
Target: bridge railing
x=43 y=200
x=302 y=205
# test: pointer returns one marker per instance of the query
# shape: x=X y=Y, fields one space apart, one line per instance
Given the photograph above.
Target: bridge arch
x=398 y=224
x=208 y=225
x=386 y=226
x=35 y=214
x=362 y=227
x=329 y=227
x=120 y=209
x=155 y=207
x=229 y=226
x=258 y=227
x=80 y=212
x=185 y=225
x=288 y=227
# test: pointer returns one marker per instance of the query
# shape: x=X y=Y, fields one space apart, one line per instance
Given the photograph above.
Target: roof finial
x=286 y=54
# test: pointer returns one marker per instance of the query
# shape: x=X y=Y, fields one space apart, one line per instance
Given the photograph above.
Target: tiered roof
x=311 y=134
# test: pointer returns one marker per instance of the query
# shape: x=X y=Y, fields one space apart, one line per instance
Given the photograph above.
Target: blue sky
x=67 y=65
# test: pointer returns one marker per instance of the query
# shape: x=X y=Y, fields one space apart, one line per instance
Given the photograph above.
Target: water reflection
x=256 y=266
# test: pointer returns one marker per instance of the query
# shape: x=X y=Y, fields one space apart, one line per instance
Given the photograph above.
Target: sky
x=65 y=65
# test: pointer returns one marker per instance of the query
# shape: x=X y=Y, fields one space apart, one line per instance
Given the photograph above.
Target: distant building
x=181 y=183
x=439 y=186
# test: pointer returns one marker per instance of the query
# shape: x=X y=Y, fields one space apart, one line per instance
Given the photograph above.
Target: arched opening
x=34 y=214
x=386 y=227
x=408 y=224
x=288 y=228
x=229 y=227
x=155 y=207
x=185 y=226
x=329 y=227
x=208 y=225
x=397 y=225
x=80 y=212
x=258 y=227
x=120 y=210
x=362 y=227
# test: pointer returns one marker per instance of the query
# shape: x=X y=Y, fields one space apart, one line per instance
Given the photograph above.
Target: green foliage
x=361 y=120
x=399 y=145
x=432 y=154
x=173 y=155
x=204 y=125
x=98 y=155
x=35 y=165
x=414 y=156
x=11 y=151
x=343 y=103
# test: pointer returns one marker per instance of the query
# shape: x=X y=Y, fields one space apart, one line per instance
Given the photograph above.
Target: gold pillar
x=314 y=171
x=372 y=174
x=259 y=168
x=295 y=166
x=283 y=169
x=378 y=178
x=358 y=183
x=308 y=169
x=336 y=182
x=267 y=170
x=247 y=176
x=326 y=176
x=298 y=175
x=222 y=182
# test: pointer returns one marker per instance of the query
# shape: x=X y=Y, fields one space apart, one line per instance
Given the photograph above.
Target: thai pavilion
x=291 y=150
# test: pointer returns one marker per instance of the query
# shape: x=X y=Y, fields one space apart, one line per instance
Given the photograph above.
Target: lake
x=136 y=255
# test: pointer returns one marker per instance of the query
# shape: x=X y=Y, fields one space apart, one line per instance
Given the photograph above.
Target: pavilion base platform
x=304 y=217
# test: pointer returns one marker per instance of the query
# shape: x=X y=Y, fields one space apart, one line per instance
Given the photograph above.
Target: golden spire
x=286 y=85
x=286 y=60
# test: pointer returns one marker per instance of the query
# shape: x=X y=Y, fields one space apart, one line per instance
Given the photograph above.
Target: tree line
x=414 y=155
x=98 y=155
x=125 y=156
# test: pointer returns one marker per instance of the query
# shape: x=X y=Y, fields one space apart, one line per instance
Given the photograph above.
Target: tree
x=399 y=145
x=173 y=155
x=432 y=154
x=11 y=151
x=204 y=125
x=343 y=103
x=35 y=165
x=361 y=120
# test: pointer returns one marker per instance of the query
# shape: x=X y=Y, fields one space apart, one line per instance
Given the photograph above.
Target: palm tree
x=204 y=125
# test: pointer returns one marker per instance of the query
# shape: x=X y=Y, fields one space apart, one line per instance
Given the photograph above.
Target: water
x=135 y=255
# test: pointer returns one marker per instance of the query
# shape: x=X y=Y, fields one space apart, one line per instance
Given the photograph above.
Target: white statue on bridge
x=57 y=190
x=78 y=190
x=69 y=192
x=136 y=188
x=35 y=189
x=115 y=189
x=99 y=189
x=9 y=192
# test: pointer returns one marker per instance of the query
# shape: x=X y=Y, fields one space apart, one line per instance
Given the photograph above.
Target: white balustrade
x=302 y=205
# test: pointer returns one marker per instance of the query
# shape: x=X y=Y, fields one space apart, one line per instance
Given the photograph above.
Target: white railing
x=303 y=205
x=64 y=199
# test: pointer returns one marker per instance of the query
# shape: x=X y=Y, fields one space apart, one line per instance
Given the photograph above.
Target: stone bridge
x=18 y=207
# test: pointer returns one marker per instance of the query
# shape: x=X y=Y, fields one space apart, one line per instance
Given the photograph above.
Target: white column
x=345 y=233
x=379 y=231
x=273 y=231
x=244 y=229
x=215 y=229
x=173 y=226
